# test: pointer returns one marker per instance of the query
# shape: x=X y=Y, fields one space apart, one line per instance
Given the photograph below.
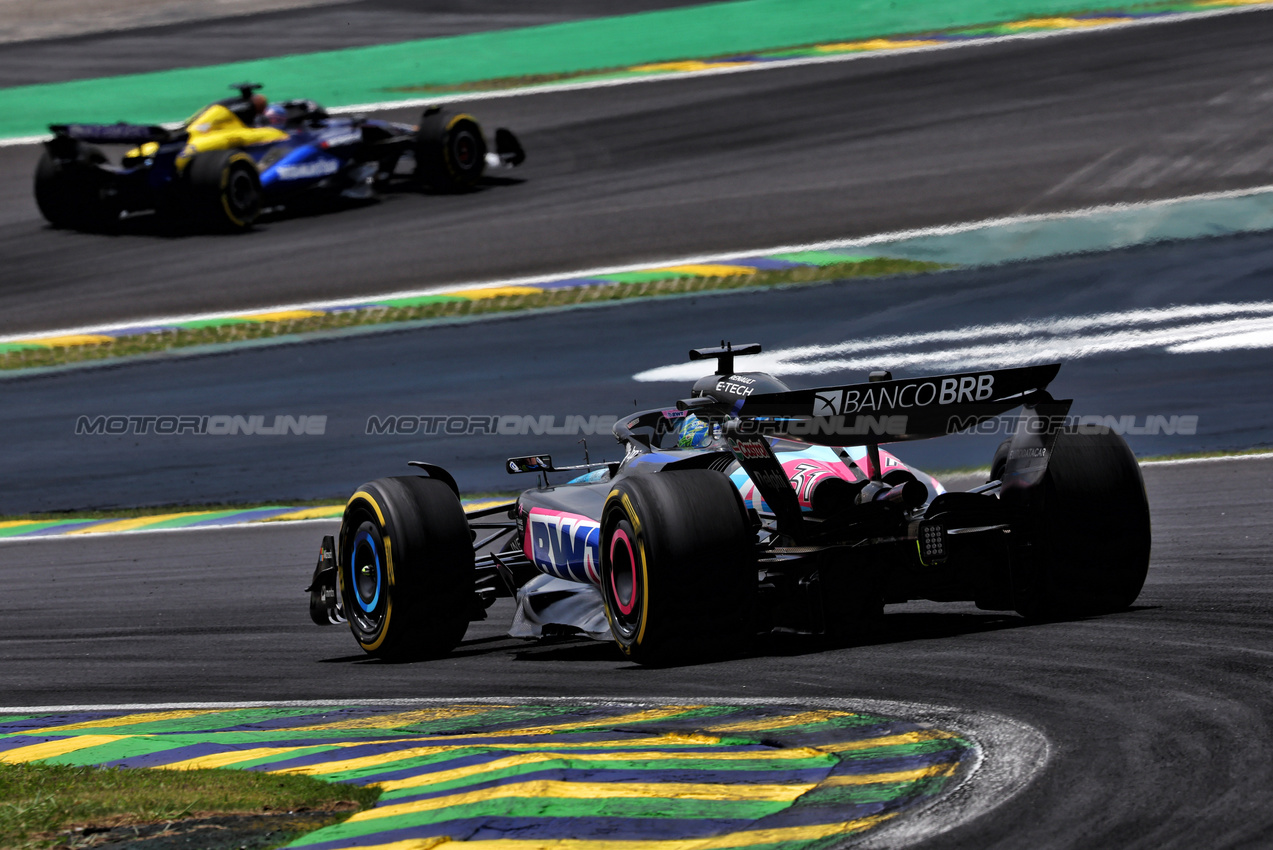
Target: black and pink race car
x=750 y=507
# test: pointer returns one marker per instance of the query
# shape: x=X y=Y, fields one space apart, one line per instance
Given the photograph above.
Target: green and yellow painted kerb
x=31 y=528
x=568 y=776
x=377 y=310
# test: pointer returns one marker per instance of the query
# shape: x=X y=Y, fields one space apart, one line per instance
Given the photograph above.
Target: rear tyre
x=222 y=191
x=450 y=151
x=73 y=194
x=678 y=566
x=1091 y=532
x=406 y=568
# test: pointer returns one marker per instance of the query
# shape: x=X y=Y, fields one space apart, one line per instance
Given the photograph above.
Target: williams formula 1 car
x=750 y=507
x=240 y=154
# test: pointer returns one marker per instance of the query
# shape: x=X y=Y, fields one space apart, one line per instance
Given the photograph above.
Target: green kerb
x=26 y=528
x=557 y=807
x=450 y=308
x=421 y=300
x=822 y=258
x=200 y=324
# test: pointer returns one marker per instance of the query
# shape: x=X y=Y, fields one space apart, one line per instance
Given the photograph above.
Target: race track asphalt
x=676 y=168
x=581 y=363
x=1157 y=717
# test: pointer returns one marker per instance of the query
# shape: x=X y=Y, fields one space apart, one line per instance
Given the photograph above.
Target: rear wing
x=885 y=411
x=116 y=134
x=882 y=410
x=890 y=411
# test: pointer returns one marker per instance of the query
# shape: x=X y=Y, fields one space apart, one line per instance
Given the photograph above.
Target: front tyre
x=450 y=151
x=678 y=566
x=222 y=191
x=406 y=568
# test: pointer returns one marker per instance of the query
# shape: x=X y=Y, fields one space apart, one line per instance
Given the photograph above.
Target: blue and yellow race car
x=241 y=155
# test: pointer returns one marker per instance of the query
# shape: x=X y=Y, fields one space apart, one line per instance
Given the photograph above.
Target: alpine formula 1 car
x=749 y=507
x=240 y=154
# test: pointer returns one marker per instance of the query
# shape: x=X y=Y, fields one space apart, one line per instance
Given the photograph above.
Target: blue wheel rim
x=366 y=572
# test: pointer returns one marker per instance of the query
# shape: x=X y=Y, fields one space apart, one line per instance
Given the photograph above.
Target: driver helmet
x=694 y=433
x=276 y=115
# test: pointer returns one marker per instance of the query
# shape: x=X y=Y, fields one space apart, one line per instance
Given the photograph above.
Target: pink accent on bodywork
x=576 y=521
x=805 y=474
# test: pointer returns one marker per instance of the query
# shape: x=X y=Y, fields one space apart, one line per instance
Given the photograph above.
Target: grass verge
x=444 y=307
x=45 y=806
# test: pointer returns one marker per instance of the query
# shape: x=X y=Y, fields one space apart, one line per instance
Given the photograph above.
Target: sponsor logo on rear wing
x=123 y=134
x=903 y=409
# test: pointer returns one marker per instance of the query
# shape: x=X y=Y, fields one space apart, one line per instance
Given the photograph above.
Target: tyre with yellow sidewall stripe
x=678 y=566
x=450 y=150
x=222 y=191
x=405 y=568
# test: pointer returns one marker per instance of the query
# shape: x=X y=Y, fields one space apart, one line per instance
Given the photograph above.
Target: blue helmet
x=276 y=115
x=694 y=433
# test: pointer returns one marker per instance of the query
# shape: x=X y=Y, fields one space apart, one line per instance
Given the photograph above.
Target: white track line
x=1206 y=327
x=553 y=88
x=1215 y=459
x=698 y=259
